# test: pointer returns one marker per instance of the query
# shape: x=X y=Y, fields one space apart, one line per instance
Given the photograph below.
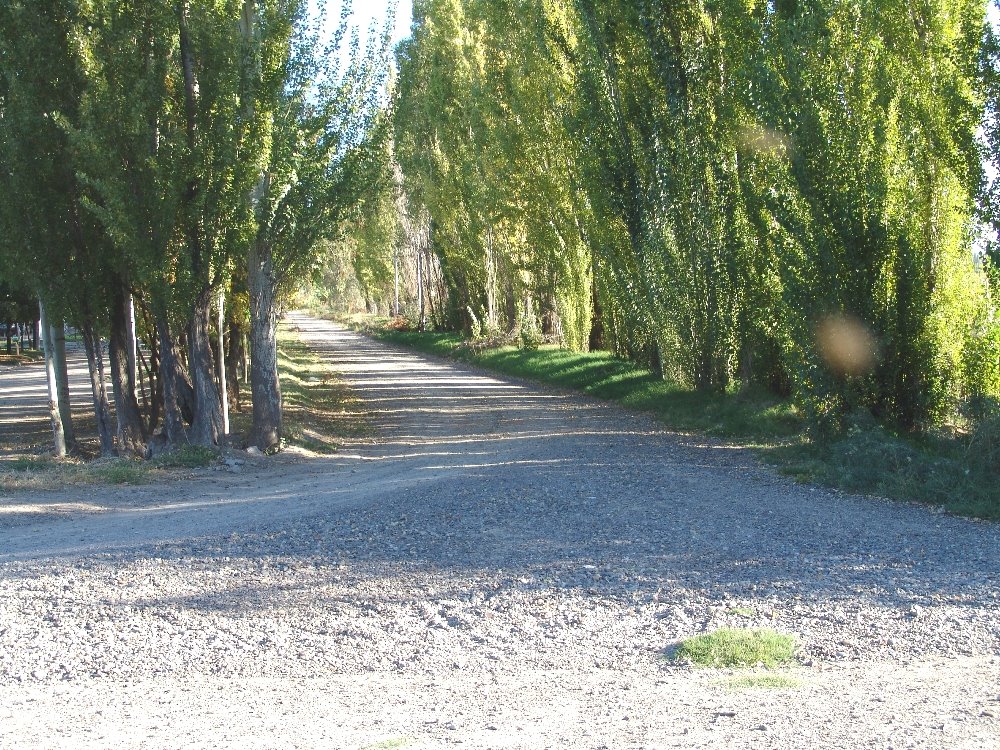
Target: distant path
x=504 y=566
x=24 y=399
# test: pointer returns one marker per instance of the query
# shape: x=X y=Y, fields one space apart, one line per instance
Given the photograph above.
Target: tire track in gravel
x=503 y=566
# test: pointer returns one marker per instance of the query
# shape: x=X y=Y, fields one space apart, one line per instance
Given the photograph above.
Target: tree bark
x=207 y=424
x=131 y=431
x=176 y=387
x=98 y=389
x=59 y=438
x=62 y=382
x=221 y=361
x=264 y=384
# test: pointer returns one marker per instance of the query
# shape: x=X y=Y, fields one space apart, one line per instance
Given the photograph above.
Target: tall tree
x=325 y=128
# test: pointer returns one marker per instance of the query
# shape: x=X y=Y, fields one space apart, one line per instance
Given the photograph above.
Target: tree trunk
x=207 y=425
x=133 y=344
x=595 y=341
x=131 y=431
x=420 y=291
x=62 y=382
x=264 y=384
x=98 y=389
x=175 y=384
x=221 y=361
x=59 y=438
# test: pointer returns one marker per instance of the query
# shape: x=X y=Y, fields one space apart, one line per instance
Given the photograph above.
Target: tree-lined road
x=502 y=566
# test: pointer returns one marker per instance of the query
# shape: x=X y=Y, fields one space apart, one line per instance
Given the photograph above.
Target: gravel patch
x=505 y=566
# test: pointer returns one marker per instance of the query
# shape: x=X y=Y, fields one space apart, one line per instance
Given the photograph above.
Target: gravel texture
x=504 y=566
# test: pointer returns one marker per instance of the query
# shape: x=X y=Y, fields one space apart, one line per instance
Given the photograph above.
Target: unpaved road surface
x=503 y=566
x=24 y=411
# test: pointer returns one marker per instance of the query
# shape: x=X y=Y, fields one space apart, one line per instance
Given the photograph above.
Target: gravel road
x=504 y=566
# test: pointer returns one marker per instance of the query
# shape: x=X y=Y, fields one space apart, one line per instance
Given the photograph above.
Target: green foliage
x=699 y=186
x=983 y=453
x=728 y=647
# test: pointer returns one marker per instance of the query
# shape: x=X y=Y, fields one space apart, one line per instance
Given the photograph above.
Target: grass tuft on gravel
x=390 y=744
x=731 y=647
x=958 y=470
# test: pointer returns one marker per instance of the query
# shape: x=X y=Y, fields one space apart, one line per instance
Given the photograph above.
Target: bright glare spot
x=846 y=344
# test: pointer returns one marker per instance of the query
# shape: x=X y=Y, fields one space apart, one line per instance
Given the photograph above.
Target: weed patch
x=26 y=463
x=118 y=471
x=730 y=647
x=187 y=457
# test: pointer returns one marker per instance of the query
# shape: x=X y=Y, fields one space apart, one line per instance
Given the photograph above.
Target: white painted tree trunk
x=223 y=392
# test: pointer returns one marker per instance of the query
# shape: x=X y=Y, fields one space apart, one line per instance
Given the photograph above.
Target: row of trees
x=159 y=158
x=704 y=186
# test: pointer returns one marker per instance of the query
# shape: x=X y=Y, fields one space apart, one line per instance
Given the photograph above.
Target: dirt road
x=24 y=414
x=504 y=566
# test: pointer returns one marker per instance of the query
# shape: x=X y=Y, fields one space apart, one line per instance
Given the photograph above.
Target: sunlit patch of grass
x=732 y=647
x=44 y=473
x=25 y=357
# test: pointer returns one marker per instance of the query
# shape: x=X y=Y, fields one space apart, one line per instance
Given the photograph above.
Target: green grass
x=740 y=611
x=730 y=647
x=119 y=471
x=953 y=470
x=758 y=681
x=187 y=457
x=26 y=463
